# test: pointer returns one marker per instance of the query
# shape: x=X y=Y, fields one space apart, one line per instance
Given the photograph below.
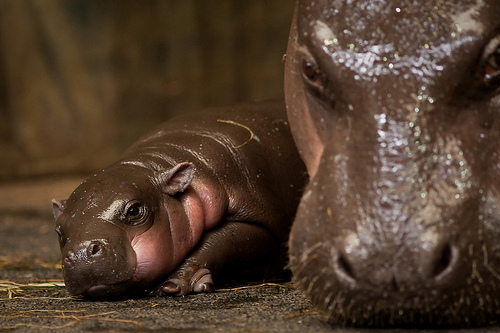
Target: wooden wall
x=80 y=80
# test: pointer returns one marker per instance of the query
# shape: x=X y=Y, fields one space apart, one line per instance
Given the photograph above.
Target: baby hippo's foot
x=183 y=282
x=200 y=282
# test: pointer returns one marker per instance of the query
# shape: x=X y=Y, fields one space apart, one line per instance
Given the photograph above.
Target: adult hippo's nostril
x=433 y=266
x=444 y=261
x=344 y=268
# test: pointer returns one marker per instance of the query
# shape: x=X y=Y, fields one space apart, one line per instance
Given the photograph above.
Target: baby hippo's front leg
x=233 y=250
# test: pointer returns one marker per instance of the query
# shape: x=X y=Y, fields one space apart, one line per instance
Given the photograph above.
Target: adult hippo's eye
x=317 y=83
x=493 y=64
x=491 y=67
x=136 y=212
x=312 y=74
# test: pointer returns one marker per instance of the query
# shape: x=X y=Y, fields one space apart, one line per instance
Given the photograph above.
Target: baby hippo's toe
x=180 y=284
x=203 y=281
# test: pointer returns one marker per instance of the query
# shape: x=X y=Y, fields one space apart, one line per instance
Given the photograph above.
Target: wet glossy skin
x=394 y=107
x=198 y=200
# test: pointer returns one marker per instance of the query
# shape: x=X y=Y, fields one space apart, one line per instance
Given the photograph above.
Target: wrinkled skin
x=197 y=201
x=394 y=107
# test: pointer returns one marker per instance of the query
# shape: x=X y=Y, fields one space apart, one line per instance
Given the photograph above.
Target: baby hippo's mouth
x=92 y=285
x=132 y=286
x=113 y=291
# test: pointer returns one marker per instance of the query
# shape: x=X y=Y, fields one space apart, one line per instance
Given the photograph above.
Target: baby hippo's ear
x=58 y=207
x=177 y=179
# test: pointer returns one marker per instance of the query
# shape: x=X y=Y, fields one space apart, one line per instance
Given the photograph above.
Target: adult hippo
x=394 y=108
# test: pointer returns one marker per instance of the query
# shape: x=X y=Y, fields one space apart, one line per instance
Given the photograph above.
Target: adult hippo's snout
x=386 y=235
x=394 y=108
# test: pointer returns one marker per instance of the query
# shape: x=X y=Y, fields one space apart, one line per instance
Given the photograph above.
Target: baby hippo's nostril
x=70 y=258
x=94 y=249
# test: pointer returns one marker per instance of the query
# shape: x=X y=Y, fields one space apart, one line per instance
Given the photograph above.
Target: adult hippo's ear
x=58 y=207
x=177 y=179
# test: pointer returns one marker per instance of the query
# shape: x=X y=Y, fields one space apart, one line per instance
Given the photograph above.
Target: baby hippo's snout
x=413 y=268
x=95 y=250
x=87 y=253
x=91 y=267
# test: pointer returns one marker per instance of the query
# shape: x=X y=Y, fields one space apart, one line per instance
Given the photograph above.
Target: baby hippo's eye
x=136 y=212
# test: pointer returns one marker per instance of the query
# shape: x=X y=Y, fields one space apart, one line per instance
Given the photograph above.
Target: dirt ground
x=33 y=297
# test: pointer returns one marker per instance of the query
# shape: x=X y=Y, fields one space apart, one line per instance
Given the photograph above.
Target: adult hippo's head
x=394 y=107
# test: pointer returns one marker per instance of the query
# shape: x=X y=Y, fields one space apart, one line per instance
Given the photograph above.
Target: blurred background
x=81 y=80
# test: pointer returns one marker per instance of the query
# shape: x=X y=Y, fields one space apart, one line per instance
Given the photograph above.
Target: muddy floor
x=33 y=297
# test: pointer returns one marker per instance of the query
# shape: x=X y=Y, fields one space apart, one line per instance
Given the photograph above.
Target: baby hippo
x=201 y=199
